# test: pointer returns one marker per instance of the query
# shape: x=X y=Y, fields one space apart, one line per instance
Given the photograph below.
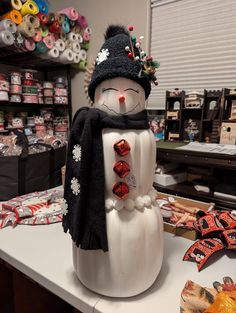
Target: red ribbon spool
x=55 y=27
x=43 y=18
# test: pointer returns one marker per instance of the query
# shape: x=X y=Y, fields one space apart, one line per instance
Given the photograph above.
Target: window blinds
x=195 y=43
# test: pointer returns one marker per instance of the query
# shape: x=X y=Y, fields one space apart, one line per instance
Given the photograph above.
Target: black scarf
x=86 y=217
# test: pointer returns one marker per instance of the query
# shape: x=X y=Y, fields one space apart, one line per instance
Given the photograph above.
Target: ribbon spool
x=82 y=65
x=51 y=18
x=43 y=18
x=65 y=27
x=16 y=89
x=42 y=5
x=29 y=44
x=61 y=92
x=86 y=36
x=30 y=98
x=29 y=82
x=79 y=38
x=60 y=100
x=60 y=45
x=76 y=58
x=71 y=13
x=60 y=18
x=32 y=20
x=82 y=22
x=38 y=36
x=60 y=82
x=26 y=29
x=13 y=15
x=88 y=30
x=16 y=4
x=15 y=98
x=72 y=36
x=4 y=85
x=63 y=36
x=55 y=27
x=67 y=56
x=48 y=85
x=33 y=90
x=83 y=55
x=85 y=45
x=48 y=100
x=15 y=78
x=6 y=38
x=48 y=42
x=4 y=96
x=29 y=7
x=48 y=92
x=51 y=54
x=44 y=31
x=28 y=74
x=41 y=47
x=8 y=25
x=76 y=46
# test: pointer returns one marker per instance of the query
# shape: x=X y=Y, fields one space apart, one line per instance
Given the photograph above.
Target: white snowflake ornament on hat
x=102 y=56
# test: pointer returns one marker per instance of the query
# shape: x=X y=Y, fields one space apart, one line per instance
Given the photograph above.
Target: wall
x=100 y=14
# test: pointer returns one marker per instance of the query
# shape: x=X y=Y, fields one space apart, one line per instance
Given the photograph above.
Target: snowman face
x=119 y=96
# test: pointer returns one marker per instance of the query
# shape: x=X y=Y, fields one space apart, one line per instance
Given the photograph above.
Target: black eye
x=106 y=89
x=135 y=90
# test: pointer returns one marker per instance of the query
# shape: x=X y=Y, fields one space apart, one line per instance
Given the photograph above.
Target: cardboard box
x=171 y=178
x=180 y=231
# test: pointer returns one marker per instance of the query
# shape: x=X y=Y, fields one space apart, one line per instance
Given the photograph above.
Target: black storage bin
x=35 y=172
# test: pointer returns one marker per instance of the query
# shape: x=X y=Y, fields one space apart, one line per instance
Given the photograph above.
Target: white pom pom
x=109 y=204
x=141 y=37
x=118 y=205
x=127 y=48
x=147 y=200
x=142 y=52
x=129 y=204
x=139 y=203
x=137 y=58
x=137 y=45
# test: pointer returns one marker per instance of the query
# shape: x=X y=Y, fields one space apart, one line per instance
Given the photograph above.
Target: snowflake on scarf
x=77 y=153
x=75 y=186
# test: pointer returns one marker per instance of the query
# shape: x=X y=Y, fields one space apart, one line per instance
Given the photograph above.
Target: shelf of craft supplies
x=28 y=60
x=9 y=106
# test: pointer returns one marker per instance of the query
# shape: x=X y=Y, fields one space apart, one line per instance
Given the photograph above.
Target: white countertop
x=44 y=253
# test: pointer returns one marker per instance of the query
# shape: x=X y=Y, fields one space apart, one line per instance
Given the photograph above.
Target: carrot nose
x=121 y=98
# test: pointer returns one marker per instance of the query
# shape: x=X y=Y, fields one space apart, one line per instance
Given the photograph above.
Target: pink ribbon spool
x=86 y=36
x=29 y=44
x=82 y=21
x=61 y=92
x=70 y=12
x=15 y=89
x=38 y=36
x=48 y=42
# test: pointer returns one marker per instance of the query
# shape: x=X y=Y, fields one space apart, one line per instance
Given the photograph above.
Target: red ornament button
x=122 y=147
x=121 y=190
x=121 y=168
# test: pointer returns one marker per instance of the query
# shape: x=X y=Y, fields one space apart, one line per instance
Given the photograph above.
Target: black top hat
x=120 y=57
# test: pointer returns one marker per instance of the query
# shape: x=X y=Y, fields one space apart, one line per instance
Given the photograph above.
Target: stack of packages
x=27 y=26
x=25 y=88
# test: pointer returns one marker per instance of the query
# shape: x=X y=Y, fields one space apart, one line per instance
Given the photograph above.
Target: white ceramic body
x=135 y=236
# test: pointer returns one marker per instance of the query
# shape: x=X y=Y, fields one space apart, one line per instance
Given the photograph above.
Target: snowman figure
x=113 y=218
